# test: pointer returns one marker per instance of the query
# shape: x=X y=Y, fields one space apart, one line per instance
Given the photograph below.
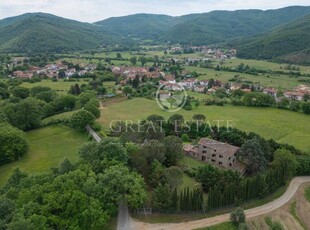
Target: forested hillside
x=47 y=33
x=290 y=43
x=202 y=29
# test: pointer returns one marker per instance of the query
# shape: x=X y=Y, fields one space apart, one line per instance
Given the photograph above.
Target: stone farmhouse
x=214 y=152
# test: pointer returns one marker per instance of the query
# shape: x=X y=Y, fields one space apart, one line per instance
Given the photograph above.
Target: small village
x=156 y=74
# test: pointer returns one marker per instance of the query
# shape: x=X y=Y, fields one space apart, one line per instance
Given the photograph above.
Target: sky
x=96 y=10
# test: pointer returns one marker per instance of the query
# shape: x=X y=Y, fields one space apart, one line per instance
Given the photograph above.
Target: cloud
x=94 y=10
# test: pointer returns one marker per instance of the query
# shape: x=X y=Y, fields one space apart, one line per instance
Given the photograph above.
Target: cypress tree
x=181 y=201
x=175 y=200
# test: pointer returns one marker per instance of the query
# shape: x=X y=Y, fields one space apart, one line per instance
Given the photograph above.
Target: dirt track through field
x=250 y=213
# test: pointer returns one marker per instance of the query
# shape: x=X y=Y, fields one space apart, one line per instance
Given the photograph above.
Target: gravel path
x=250 y=213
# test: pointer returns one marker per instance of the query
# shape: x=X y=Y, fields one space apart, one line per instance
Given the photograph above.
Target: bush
x=237 y=217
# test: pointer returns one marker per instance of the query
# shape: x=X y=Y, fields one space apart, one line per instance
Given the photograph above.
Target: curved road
x=250 y=213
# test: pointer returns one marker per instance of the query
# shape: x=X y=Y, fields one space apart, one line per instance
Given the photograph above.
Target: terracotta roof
x=220 y=147
x=294 y=93
x=190 y=148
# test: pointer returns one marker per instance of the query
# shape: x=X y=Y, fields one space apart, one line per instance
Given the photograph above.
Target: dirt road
x=250 y=213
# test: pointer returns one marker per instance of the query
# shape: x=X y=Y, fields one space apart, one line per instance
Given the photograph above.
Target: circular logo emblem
x=171 y=97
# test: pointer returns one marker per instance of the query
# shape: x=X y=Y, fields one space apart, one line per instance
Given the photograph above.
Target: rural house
x=214 y=152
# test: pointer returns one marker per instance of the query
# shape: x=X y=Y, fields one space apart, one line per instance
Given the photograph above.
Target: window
x=213 y=155
x=204 y=151
x=229 y=158
x=230 y=164
x=213 y=160
x=203 y=158
x=220 y=163
x=220 y=156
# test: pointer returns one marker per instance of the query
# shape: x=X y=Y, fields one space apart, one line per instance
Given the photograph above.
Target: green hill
x=139 y=25
x=202 y=29
x=47 y=33
x=290 y=43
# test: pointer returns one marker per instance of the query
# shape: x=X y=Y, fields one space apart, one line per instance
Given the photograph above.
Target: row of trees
x=227 y=192
x=187 y=201
x=259 y=99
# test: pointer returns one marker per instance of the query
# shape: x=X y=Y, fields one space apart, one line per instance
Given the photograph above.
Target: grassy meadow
x=281 y=125
x=48 y=147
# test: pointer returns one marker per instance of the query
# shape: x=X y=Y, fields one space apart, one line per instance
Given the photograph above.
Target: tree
x=75 y=89
x=173 y=176
x=64 y=103
x=154 y=150
x=163 y=197
x=174 y=146
x=79 y=120
x=13 y=143
x=221 y=93
x=156 y=119
x=104 y=154
x=47 y=96
x=101 y=90
x=118 y=55
x=21 y=92
x=237 y=217
x=66 y=166
x=127 y=90
x=133 y=60
x=4 y=93
x=199 y=117
x=294 y=105
x=118 y=183
x=24 y=115
x=185 y=138
x=92 y=107
x=252 y=153
x=285 y=160
x=306 y=107
x=86 y=97
x=39 y=89
x=283 y=103
x=175 y=122
x=143 y=60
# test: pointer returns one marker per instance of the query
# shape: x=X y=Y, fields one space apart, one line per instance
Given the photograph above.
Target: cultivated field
x=281 y=125
x=48 y=147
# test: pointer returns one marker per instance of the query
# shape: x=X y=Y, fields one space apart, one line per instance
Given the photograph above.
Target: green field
x=263 y=65
x=281 y=125
x=48 y=147
x=60 y=85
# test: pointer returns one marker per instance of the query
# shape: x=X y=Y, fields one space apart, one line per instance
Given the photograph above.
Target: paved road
x=124 y=221
x=93 y=133
x=250 y=213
